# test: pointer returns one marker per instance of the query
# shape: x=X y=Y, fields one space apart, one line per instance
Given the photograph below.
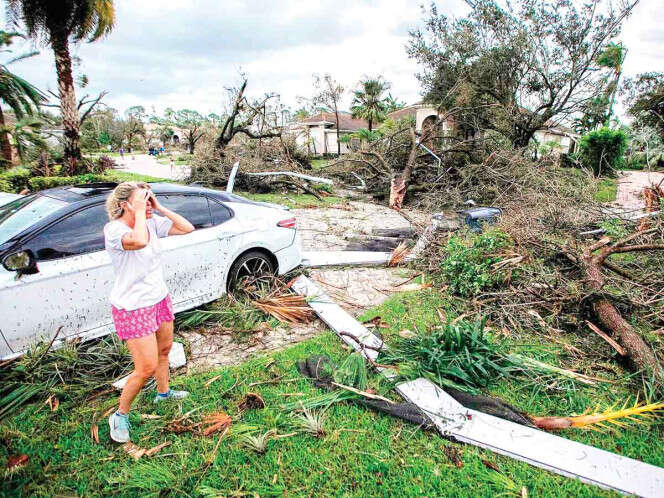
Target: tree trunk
x=370 y=123
x=70 y=118
x=522 y=138
x=336 y=115
x=399 y=184
x=609 y=317
x=4 y=141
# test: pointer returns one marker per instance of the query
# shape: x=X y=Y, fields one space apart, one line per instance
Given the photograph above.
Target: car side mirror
x=20 y=261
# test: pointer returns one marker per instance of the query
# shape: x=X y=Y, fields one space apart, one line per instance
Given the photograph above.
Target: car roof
x=86 y=192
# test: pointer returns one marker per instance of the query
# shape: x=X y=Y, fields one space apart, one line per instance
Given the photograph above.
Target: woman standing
x=140 y=304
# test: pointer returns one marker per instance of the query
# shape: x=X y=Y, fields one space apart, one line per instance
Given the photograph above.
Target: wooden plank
x=541 y=449
x=336 y=318
x=344 y=258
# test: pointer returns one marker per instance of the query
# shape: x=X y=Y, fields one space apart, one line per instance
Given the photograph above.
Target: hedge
x=45 y=182
x=17 y=178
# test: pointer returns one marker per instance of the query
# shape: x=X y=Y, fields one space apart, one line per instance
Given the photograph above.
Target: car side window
x=80 y=233
x=193 y=207
x=220 y=213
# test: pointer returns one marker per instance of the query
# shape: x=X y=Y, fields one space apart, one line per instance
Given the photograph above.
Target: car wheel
x=252 y=265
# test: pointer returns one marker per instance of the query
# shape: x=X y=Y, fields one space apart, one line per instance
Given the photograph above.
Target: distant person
x=121 y=152
x=140 y=302
x=172 y=165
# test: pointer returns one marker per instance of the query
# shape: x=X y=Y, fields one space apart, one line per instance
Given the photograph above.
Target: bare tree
x=328 y=94
x=242 y=118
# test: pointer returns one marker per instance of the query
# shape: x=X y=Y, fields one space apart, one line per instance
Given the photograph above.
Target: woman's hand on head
x=140 y=201
x=154 y=201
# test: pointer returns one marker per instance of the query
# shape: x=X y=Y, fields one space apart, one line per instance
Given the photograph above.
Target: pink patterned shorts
x=132 y=324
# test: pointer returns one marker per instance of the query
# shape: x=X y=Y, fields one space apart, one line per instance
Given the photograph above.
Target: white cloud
x=182 y=53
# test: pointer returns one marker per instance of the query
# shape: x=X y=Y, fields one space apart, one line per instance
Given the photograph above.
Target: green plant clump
x=17 y=178
x=461 y=355
x=603 y=150
x=468 y=263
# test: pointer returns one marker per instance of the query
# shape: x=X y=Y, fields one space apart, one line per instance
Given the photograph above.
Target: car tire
x=252 y=263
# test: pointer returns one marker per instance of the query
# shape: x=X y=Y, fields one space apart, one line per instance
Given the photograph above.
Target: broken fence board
x=343 y=258
x=336 y=318
x=315 y=179
x=541 y=449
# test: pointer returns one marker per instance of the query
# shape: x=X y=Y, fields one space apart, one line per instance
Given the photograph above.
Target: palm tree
x=18 y=94
x=368 y=102
x=57 y=22
x=26 y=133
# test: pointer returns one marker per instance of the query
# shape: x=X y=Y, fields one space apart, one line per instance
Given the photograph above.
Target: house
x=565 y=138
x=319 y=133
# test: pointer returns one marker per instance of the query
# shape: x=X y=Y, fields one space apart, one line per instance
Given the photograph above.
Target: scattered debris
x=399 y=254
x=52 y=402
x=136 y=452
x=565 y=457
x=285 y=308
x=216 y=422
x=251 y=401
x=15 y=462
x=638 y=413
x=94 y=433
x=257 y=444
x=314 y=259
x=311 y=421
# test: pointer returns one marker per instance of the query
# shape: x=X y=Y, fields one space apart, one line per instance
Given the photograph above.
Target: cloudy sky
x=182 y=53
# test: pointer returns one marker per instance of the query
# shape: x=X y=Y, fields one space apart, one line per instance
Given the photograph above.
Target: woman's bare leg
x=164 y=336
x=145 y=354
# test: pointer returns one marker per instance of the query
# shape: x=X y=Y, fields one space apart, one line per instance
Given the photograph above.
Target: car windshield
x=24 y=212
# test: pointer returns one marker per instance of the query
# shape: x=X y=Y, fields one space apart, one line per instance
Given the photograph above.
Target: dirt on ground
x=331 y=229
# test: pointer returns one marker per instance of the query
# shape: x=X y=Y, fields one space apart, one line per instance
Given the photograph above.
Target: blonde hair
x=121 y=194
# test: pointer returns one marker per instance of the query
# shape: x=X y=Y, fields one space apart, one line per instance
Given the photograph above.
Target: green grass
x=125 y=176
x=294 y=201
x=607 y=189
x=180 y=159
x=363 y=454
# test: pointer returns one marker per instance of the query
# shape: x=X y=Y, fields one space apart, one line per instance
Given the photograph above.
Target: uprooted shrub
x=469 y=264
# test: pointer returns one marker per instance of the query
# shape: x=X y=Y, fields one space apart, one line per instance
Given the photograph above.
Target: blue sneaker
x=120 y=426
x=170 y=395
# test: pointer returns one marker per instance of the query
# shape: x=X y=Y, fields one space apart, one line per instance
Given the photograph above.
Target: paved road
x=630 y=187
x=148 y=165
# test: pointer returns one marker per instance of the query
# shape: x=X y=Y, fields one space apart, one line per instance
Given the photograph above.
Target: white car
x=57 y=275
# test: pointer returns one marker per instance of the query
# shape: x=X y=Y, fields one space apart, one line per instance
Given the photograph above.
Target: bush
x=17 y=178
x=45 y=182
x=468 y=263
x=5 y=186
x=603 y=150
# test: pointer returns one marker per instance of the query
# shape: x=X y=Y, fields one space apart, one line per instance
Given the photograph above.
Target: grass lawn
x=607 y=188
x=126 y=176
x=179 y=159
x=363 y=453
x=294 y=201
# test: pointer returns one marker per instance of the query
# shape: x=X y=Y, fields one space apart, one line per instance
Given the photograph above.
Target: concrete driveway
x=148 y=165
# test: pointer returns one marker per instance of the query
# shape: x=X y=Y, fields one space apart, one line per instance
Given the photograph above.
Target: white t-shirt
x=139 y=280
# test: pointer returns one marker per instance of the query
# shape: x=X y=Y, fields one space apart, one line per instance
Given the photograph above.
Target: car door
x=70 y=291
x=193 y=263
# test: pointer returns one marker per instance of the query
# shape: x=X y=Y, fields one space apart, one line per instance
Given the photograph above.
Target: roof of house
x=346 y=121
